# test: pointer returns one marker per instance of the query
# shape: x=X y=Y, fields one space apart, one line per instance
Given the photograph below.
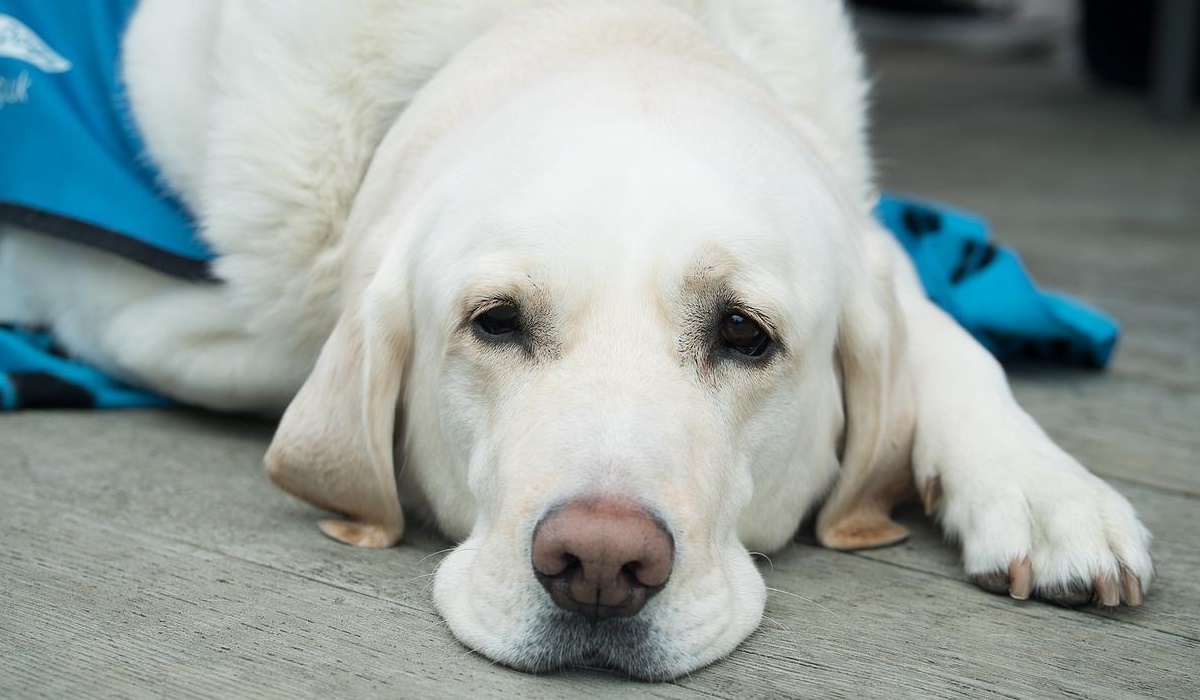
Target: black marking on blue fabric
x=43 y=390
x=920 y=221
x=964 y=262
x=975 y=257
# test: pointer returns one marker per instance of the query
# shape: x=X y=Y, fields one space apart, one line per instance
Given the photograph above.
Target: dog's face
x=610 y=319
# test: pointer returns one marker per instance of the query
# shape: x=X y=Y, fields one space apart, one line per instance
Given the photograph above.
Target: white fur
x=613 y=165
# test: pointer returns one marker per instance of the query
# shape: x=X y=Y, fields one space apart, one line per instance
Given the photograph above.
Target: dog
x=593 y=286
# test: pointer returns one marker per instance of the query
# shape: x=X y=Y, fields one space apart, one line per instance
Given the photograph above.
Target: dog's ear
x=879 y=411
x=335 y=444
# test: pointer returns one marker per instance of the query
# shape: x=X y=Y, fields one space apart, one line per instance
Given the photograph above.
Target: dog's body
x=667 y=204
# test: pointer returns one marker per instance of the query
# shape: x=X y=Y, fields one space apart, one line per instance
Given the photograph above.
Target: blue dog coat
x=72 y=165
x=71 y=161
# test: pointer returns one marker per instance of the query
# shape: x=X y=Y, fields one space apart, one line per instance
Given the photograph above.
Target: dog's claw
x=1131 y=586
x=1108 y=593
x=1020 y=579
x=931 y=494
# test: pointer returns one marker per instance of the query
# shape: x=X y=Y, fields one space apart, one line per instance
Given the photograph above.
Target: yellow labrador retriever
x=593 y=285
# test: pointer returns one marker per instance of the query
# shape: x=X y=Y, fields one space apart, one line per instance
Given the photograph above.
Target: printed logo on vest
x=20 y=42
x=15 y=91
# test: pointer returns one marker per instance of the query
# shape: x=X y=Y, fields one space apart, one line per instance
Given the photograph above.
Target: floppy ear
x=879 y=412
x=335 y=444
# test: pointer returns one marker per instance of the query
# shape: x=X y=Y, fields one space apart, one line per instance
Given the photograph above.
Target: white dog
x=594 y=286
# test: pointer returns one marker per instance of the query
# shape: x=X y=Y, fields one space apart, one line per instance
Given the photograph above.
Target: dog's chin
x=517 y=625
x=557 y=641
x=560 y=640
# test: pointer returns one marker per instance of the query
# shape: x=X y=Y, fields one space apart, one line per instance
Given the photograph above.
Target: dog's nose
x=602 y=557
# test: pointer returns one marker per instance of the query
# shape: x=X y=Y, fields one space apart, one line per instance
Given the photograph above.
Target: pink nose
x=602 y=557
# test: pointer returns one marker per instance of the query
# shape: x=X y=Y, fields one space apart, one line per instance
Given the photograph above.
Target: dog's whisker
x=764 y=556
x=439 y=622
x=407 y=581
x=786 y=630
x=425 y=558
x=800 y=597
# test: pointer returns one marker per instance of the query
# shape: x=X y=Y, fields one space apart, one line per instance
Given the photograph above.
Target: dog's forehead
x=587 y=191
x=620 y=195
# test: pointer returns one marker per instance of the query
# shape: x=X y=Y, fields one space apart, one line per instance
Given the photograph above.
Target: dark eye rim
x=498 y=330
x=765 y=347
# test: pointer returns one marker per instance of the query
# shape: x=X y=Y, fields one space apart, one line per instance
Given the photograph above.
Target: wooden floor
x=145 y=554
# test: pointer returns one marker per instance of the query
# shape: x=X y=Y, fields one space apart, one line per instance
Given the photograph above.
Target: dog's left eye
x=740 y=333
x=499 y=321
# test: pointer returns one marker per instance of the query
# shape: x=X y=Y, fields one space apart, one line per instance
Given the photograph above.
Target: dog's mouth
x=598 y=592
x=561 y=640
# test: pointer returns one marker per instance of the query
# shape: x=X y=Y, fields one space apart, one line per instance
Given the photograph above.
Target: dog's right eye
x=499 y=321
x=744 y=335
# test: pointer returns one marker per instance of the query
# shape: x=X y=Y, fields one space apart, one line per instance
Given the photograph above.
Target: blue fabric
x=34 y=373
x=987 y=290
x=71 y=161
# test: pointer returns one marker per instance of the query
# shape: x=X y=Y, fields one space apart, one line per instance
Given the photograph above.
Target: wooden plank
x=907 y=633
x=1118 y=427
x=1130 y=257
x=1019 y=139
x=1159 y=345
x=151 y=557
x=99 y=612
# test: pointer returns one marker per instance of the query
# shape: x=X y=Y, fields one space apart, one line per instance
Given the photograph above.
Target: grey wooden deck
x=145 y=554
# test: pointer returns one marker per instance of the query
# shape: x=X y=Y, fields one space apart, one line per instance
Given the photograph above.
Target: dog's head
x=610 y=324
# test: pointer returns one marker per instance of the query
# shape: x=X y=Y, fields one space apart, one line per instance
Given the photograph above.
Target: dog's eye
x=500 y=320
x=740 y=333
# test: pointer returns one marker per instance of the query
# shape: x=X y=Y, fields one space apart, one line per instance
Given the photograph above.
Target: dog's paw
x=1043 y=527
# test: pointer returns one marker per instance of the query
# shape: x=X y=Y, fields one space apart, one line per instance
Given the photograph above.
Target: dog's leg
x=1030 y=519
x=185 y=340
x=190 y=344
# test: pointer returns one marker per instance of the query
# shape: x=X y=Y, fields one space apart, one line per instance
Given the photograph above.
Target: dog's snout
x=602 y=557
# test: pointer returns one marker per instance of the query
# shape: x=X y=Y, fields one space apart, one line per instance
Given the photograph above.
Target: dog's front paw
x=1041 y=525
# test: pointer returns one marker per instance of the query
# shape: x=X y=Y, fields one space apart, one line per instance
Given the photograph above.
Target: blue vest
x=71 y=162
